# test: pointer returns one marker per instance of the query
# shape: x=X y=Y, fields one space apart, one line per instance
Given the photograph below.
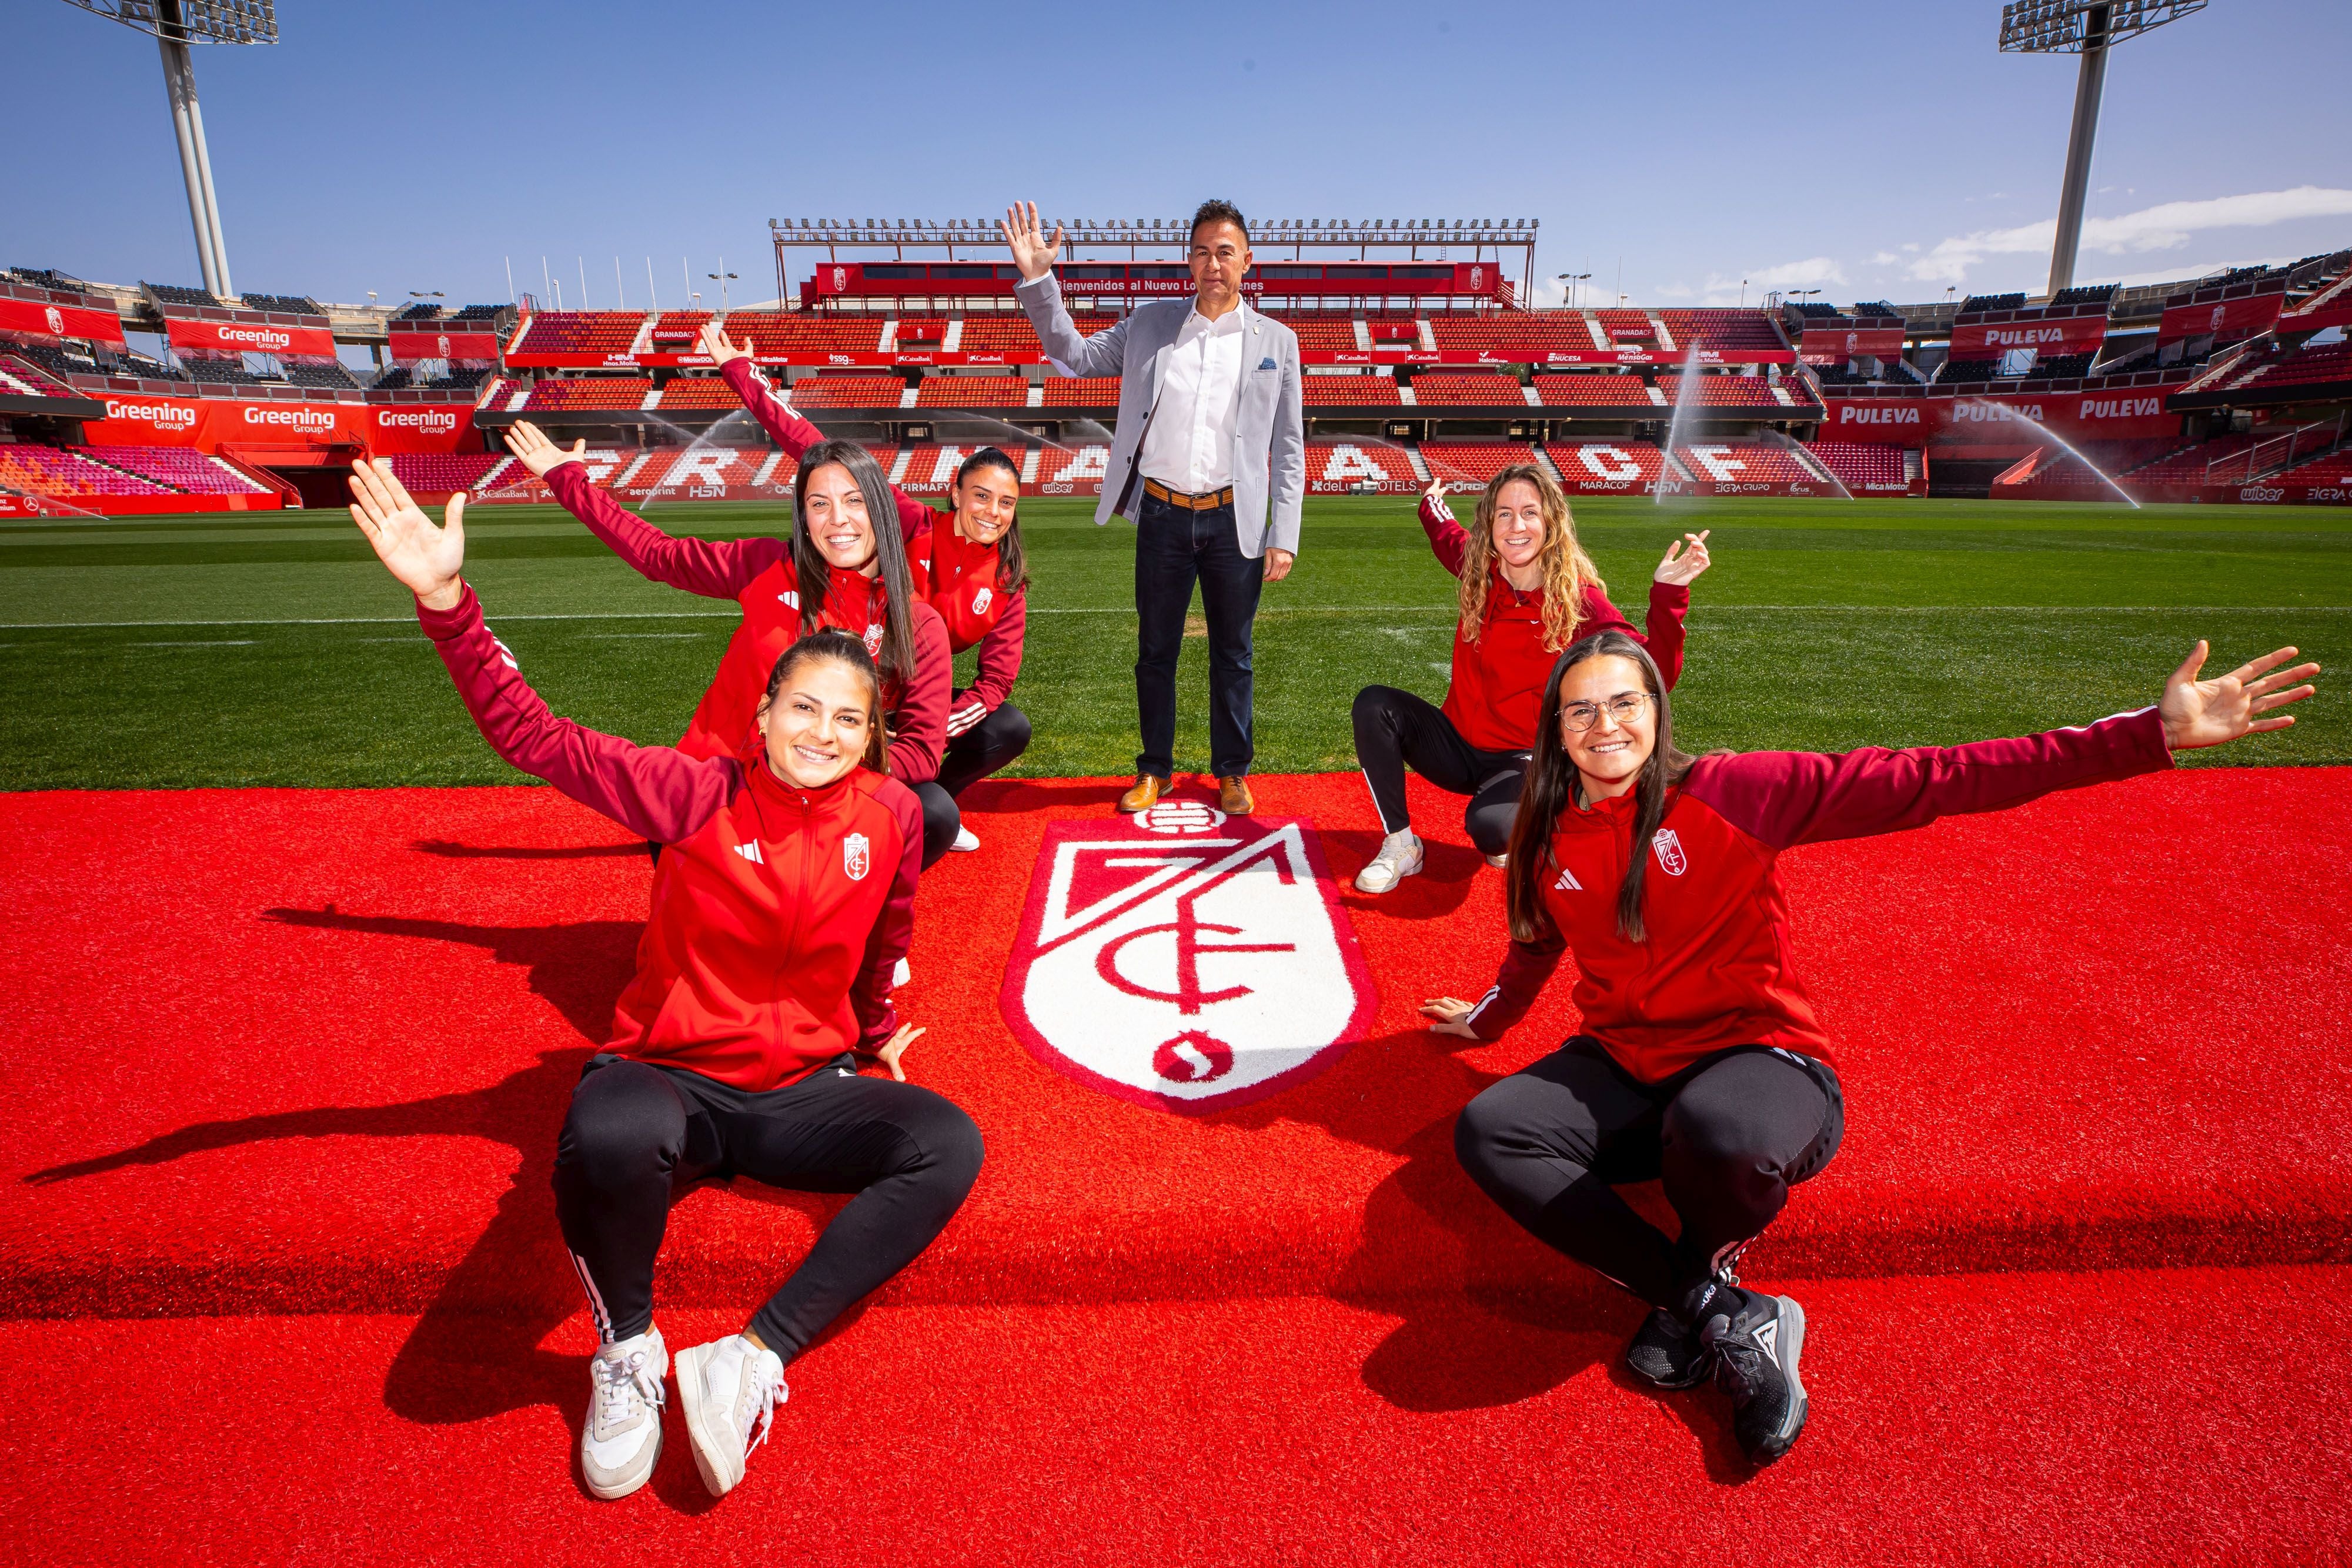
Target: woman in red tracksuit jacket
x=1527 y=592
x=1701 y=1060
x=778 y=914
x=845 y=567
x=969 y=564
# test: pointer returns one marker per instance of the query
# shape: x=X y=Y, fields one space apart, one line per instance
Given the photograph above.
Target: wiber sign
x=1186 y=960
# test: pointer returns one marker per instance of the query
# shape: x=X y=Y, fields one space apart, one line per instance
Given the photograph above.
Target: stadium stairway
x=280 y=1109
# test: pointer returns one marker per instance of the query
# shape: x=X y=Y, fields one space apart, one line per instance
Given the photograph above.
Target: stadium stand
x=581 y=332
x=675 y=328
x=1860 y=465
x=1967 y=372
x=931 y=466
x=177 y=294
x=418 y=310
x=440 y=473
x=972 y=391
x=317 y=373
x=1513 y=331
x=2187 y=464
x=590 y=391
x=1606 y=466
x=800 y=332
x=46 y=278
x=54 y=359
x=1726 y=392
x=54 y=471
x=1728 y=330
x=286 y=304
x=1012 y=333
x=26 y=379
x=1626 y=325
x=1339 y=392
x=1323 y=333
x=701 y=467
x=2059 y=367
x=1334 y=467
x=204 y=368
x=847 y=392
x=697 y=393
x=1474 y=461
x=1604 y=389
x=1097 y=392
x=2089 y=294
x=1393 y=329
x=928 y=332
x=1845 y=375
x=2308 y=366
x=1815 y=308
x=179 y=468
x=2335 y=468
x=481 y=312
x=1976 y=302
x=1477 y=390
x=1743 y=463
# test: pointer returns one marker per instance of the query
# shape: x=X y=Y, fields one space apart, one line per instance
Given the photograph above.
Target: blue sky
x=1868 y=149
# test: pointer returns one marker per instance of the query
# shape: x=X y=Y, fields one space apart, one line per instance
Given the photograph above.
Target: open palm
x=427 y=561
x=1032 y=253
x=1682 y=565
x=2208 y=712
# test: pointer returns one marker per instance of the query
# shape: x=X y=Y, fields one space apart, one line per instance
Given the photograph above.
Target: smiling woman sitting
x=779 y=911
x=1528 y=591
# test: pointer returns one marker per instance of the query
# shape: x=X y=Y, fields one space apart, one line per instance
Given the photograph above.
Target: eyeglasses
x=1577 y=717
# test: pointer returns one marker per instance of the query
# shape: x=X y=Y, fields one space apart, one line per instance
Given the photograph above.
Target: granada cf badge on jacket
x=856 y=857
x=1186 y=960
x=983 y=600
x=1670 y=852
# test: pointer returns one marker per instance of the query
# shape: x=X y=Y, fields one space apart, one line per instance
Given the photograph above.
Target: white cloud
x=1674 y=291
x=2165 y=226
x=1884 y=258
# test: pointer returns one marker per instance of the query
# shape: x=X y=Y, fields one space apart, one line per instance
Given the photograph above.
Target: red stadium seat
x=181 y=468
x=1478 y=390
x=1474 y=461
x=848 y=392
x=696 y=392
x=1082 y=392
x=1347 y=391
x=55 y=471
x=1602 y=389
x=581 y=332
x=589 y=391
x=1513 y=331
x=1859 y=466
x=1605 y=468
x=1336 y=468
x=805 y=331
x=972 y=391
x=1743 y=463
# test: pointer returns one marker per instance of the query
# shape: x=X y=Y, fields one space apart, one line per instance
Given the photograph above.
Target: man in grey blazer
x=1209 y=462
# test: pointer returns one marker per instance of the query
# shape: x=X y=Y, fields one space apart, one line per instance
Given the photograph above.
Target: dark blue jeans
x=1173 y=549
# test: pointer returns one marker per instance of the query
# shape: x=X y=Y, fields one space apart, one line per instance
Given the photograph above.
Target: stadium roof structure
x=194 y=21
x=1506 y=244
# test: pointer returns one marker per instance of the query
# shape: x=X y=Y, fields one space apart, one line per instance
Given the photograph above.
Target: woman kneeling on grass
x=967 y=563
x=1702 y=1061
x=1527 y=592
x=845 y=567
x=783 y=902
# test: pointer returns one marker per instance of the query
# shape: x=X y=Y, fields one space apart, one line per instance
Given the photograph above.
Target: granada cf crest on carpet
x=1185 y=959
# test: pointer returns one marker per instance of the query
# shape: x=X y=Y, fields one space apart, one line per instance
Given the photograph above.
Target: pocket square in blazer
x=1267 y=365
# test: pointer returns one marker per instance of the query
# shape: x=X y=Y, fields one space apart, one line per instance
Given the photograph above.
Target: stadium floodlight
x=176 y=24
x=2089 y=29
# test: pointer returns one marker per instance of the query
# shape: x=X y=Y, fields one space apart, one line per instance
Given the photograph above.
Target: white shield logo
x=445 y=345
x=873 y=640
x=856 y=858
x=1670 y=852
x=57 y=319
x=1189 y=965
x=982 y=601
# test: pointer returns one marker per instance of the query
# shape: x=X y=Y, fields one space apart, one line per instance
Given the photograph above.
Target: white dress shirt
x=1190 y=445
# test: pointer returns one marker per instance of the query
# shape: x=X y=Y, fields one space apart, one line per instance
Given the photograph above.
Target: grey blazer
x=1269 y=434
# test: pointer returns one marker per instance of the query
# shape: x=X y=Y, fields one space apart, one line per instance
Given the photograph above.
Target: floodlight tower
x=2088 y=28
x=176 y=24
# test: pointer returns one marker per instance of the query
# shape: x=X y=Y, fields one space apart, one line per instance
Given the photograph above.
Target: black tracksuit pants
x=1395 y=728
x=969 y=757
x=638 y=1135
x=1729 y=1136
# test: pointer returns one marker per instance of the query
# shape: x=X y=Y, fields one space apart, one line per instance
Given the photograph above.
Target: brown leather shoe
x=1145 y=794
x=1233 y=796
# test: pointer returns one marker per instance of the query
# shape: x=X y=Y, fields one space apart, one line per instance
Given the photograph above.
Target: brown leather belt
x=1203 y=503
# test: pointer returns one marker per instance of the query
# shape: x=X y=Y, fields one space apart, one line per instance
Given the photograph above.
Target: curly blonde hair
x=1568 y=571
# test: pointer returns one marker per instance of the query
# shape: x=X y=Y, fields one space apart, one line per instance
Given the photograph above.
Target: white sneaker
x=966 y=839
x=725 y=1388
x=1498 y=861
x=622 y=1436
x=1400 y=858
x=900 y=975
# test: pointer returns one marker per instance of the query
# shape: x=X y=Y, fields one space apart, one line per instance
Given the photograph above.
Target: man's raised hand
x=1680 y=565
x=712 y=340
x=427 y=561
x=1030 y=252
x=535 y=452
x=2209 y=713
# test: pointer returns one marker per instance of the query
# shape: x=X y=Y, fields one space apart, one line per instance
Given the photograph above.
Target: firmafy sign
x=1186 y=960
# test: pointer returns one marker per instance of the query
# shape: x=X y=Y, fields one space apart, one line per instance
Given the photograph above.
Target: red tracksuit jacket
x=758 y=574
x=954 y=576
x=778 y=913
x=1716 y=970
x=1494 y=696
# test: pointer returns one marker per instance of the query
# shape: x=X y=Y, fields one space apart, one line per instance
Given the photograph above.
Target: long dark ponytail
x=1551 y=788
x=813 y=573
x=1012 y=558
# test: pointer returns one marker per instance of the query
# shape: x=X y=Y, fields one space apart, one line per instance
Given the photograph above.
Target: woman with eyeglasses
x=1701 y=1061
x=1527 y=592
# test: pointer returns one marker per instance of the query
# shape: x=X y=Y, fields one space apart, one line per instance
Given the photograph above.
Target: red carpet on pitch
x=286 y=1067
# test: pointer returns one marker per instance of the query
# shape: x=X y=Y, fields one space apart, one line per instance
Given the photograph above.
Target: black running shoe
x=1666 y=1353
x=1756 y=1365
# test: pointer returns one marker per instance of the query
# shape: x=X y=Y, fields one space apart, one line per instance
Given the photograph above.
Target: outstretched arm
x=652 y=790
x=1785 y=797
x=784 y=427
x=716 y=568
x=1527 y=968
x=1448 y=540
x=1105 y=353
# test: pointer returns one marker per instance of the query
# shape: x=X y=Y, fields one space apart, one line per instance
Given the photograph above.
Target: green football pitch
x=271 y=649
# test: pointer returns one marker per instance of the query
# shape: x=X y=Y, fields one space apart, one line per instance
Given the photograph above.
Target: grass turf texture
x=260 y=649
